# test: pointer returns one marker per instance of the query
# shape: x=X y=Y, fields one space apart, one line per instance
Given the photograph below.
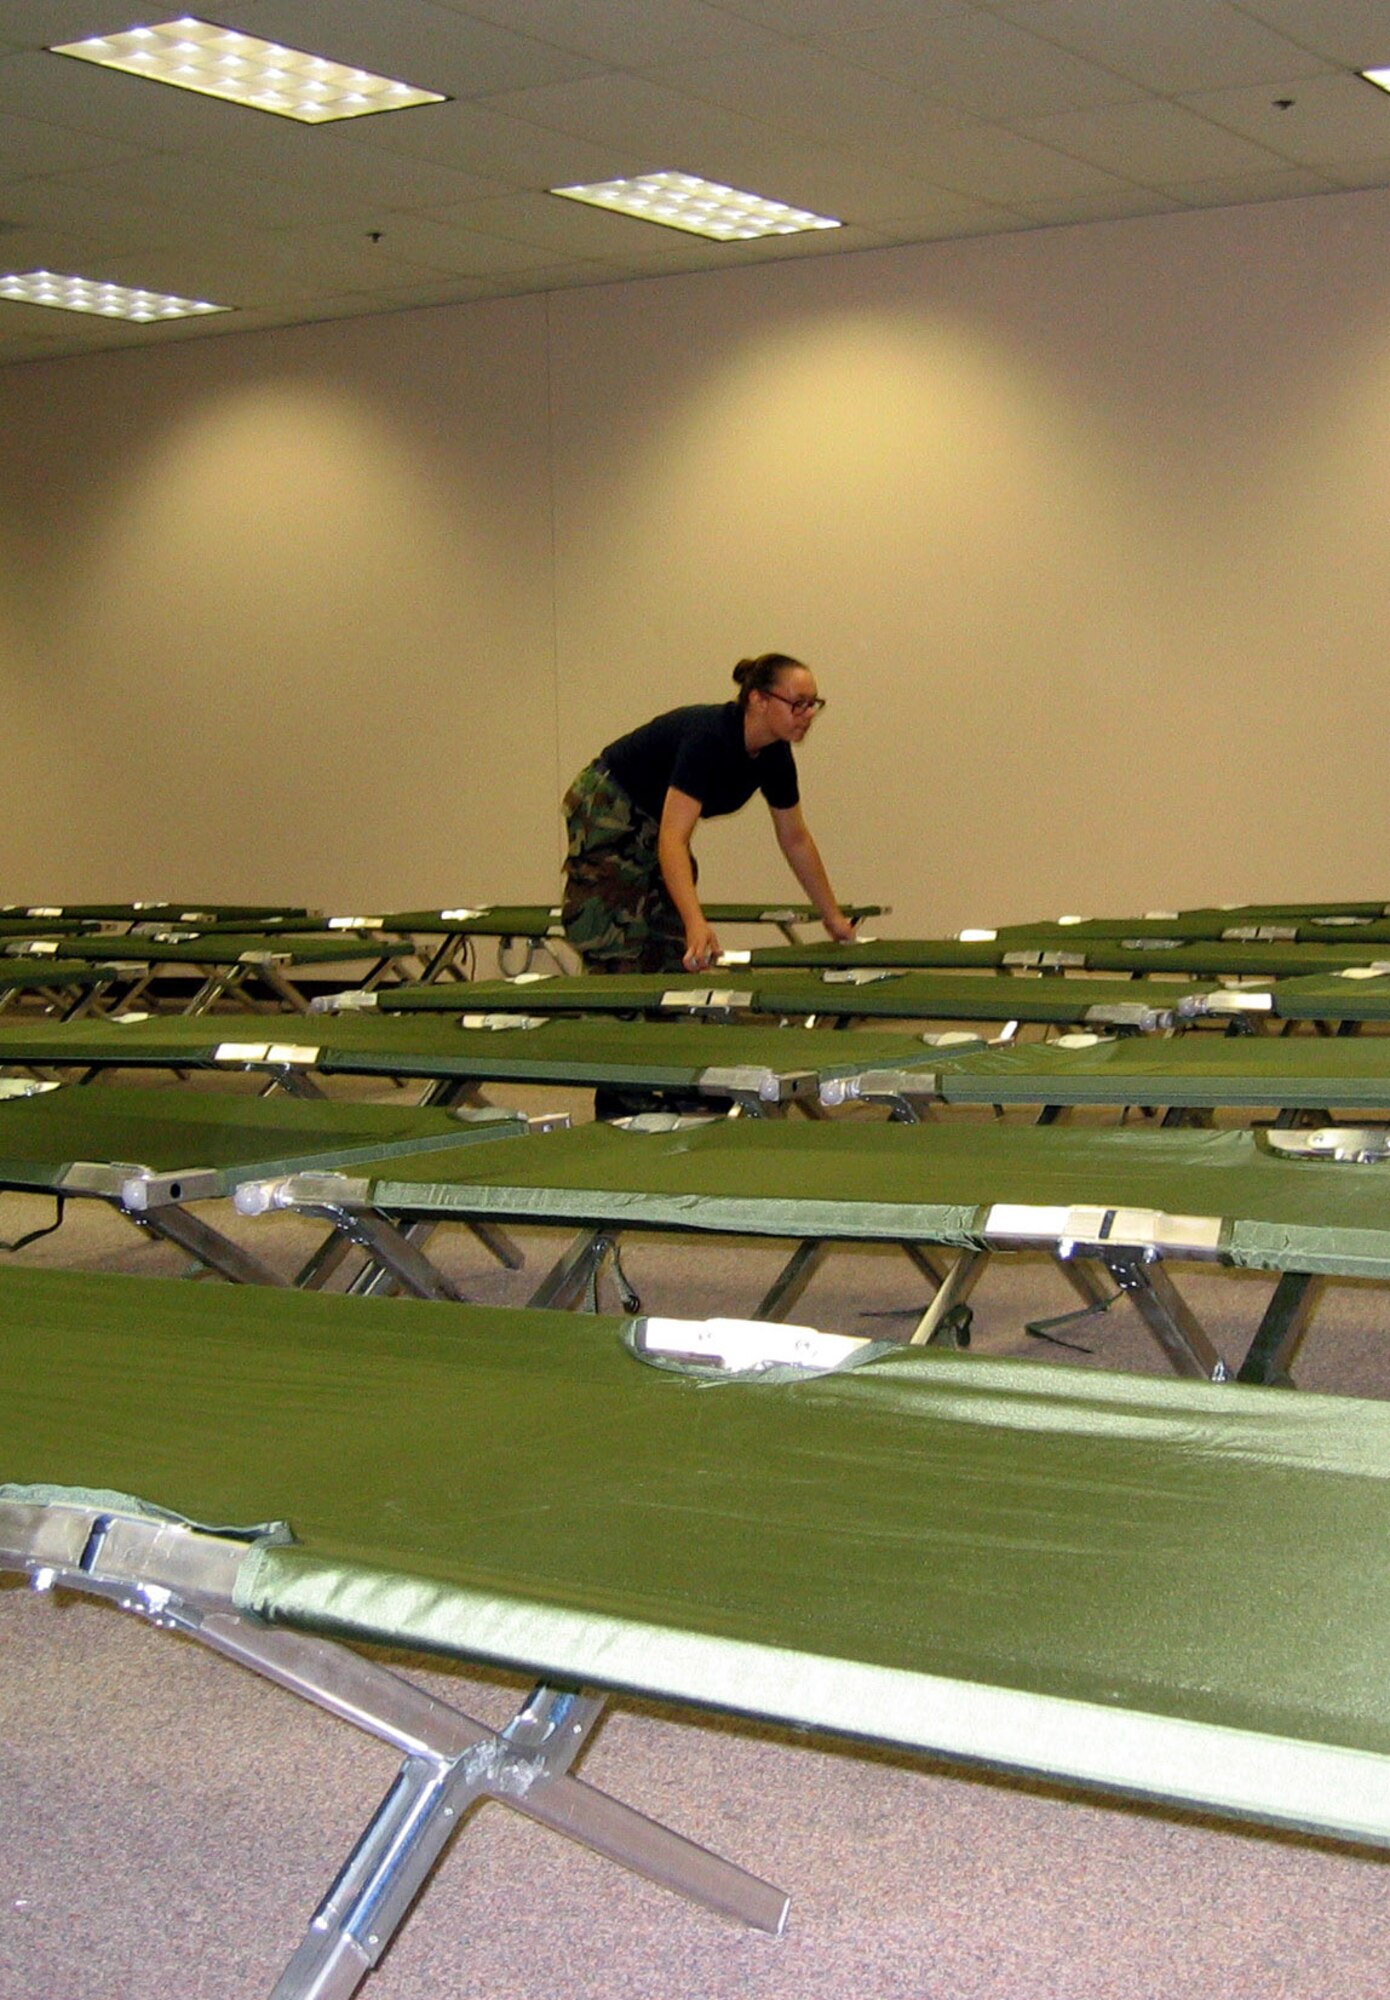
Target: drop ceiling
x=908 y=120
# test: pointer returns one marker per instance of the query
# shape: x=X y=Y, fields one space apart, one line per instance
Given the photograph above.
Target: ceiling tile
x=981 y=64
x=1321 y=121
x=441 y=245
x=480 y=139
x=1353 y=32
x=1167 y=45
x=431 y=47
x=626 y=34
x=808 y=20
x=1280 y=184
x=33 y=147
x=1154 y=142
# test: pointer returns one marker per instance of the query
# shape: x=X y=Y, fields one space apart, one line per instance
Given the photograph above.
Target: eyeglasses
x=799 y=704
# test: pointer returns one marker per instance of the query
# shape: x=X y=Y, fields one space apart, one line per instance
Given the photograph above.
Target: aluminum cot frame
x=1217 y=1466
x=445 y=937
x=1046 y=951
x=1180 y=1075
x=153 y=1155
x=230 y=964
x=841 y=998
x=1113 y=1199
x=69 y=985
x=762 y=1070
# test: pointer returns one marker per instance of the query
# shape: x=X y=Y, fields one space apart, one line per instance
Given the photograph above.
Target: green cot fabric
x=985 y=1557
x=922 y=996
x=653 y=1053
x=17 y=974
x=529 y=920
x=1271 y=912
x=773 y=912
x=542 y=920
x=176 y=1130
x=533 y=920
x=1327 y=927
x=1325 y=997
x=1188 y=1070
x=12 y=926
x=1206 y=959
x=213 y=947
x=900 y=1183
x=161 y=912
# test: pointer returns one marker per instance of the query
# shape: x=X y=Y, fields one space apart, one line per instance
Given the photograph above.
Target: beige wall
x=1084 y=530
x=275 y=616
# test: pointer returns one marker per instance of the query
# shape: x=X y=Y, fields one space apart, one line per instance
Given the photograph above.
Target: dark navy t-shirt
x=700 y=750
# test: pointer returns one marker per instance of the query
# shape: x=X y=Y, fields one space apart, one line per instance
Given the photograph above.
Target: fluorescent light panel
x=703 y=208
x=1379 y=77
x=243 y=69
x=89 y=295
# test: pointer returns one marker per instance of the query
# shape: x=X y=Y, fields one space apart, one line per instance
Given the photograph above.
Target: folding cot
x=1348 y=997
x=863 y=994
x=1173 y=1073
x=761 y=1069
x=149 y=1153
x=1232 y=926
x=1337 y=1001
x=229 y=966
x=1152 y=1588
x=446 y=937
x=248 y=915
x=1282 y=1202
x=1203 y=958
x=441 y=941
x=69 y=984
x=1258 y=912
x=15 y=925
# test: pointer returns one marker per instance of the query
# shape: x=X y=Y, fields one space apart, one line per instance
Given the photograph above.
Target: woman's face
x=789 y=706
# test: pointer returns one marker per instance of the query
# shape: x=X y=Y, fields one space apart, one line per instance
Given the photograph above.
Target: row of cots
x=1112 y=1205
x=1171 y=1588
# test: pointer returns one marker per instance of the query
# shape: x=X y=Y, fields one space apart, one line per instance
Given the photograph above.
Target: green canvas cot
x=758 y=1067
x=155 y=1155
x=838 y=997
x=985 y=1560
x=1288 y=1203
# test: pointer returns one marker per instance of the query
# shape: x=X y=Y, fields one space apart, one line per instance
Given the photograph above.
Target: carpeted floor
x=168 y=1822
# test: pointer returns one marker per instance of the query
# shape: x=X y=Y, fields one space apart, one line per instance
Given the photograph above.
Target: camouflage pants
x=616 y=910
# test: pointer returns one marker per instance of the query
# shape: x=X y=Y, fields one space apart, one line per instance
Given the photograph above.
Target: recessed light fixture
x=243 y=69
x=89 y=295
x=704 y=208
x=1379 y=77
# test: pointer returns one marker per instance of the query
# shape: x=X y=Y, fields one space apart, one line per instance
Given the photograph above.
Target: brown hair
x=757 y=675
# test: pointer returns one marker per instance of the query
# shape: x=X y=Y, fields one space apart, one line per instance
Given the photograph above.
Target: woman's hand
x=702 y=947
x=840 y=928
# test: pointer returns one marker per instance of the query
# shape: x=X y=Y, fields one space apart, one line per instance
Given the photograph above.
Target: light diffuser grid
x=243 y=69
x=703 y=208
x=89 y=295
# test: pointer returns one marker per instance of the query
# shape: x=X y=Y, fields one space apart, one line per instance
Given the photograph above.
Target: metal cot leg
x=1281 y=1330
x=1169 y=1319
x=450 y=1760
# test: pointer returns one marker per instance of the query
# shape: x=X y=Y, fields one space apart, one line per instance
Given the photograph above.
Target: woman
x=630 y=899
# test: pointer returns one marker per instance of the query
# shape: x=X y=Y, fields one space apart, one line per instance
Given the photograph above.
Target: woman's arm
x=803 y=858
x=679 y=817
